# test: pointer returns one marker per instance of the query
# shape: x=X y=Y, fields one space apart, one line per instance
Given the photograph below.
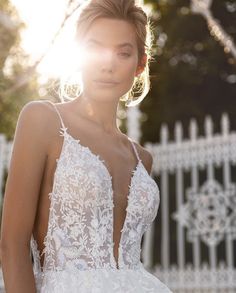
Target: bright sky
x=43 y=18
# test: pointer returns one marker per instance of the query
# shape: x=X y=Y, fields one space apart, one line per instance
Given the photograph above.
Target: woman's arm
x=21 y=197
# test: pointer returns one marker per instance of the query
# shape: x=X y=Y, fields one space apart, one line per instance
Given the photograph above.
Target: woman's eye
x=125 y=54
x=91 y=46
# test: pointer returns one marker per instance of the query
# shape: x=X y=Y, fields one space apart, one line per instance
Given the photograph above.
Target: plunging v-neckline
x=103 y=164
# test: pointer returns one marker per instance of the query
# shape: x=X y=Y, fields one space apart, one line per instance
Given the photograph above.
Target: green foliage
x=13 y=63
x=189 y=77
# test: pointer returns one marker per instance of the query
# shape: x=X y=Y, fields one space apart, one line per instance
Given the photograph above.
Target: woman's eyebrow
x=93 y=41
x=126 y=44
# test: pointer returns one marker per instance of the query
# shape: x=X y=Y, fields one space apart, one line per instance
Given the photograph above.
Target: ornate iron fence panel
x=196 y=224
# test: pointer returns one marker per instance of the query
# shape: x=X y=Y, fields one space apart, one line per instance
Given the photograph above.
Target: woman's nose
x=107 y=60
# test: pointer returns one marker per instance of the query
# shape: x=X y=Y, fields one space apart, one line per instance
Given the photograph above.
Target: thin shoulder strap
x=135 y=149
x=59 y=115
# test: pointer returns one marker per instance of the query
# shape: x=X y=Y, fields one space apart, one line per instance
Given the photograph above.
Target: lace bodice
x=80 y=227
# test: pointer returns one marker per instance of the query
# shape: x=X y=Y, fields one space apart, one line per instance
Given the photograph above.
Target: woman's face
x=109 y=60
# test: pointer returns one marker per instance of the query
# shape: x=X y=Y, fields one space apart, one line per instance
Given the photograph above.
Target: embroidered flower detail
x=80 y=228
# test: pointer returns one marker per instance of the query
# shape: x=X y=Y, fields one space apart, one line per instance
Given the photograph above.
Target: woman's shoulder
x=32 y=114
x=35 y=109
x=38 y=112
x=145 y=156
x=37 y=117
x=38 y=107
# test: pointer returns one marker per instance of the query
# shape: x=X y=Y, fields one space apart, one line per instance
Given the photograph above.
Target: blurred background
x=187 y=121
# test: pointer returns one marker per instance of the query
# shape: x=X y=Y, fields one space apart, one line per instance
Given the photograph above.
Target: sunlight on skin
x=109 y=57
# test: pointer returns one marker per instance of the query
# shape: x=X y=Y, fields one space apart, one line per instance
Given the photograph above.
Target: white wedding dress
x=78 y=253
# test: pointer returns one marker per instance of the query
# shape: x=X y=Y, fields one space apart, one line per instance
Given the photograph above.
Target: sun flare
x=42 y=19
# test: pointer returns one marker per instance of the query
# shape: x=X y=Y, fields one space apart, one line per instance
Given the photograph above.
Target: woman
x=83 y=199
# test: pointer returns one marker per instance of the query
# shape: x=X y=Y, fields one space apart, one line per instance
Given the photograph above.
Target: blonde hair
x=129 y=11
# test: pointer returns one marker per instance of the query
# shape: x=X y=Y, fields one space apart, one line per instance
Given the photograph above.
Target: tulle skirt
x=100 y=281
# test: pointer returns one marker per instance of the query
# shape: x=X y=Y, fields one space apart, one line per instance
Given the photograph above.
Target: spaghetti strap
x=135 y=149
x=58 y=113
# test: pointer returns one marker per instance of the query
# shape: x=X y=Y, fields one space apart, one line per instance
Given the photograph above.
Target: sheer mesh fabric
x=78 y=247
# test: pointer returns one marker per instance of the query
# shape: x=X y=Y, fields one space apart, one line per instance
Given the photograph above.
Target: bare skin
x=91 y=118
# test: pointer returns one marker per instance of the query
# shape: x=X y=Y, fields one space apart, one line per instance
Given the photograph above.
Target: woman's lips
x=108 y=83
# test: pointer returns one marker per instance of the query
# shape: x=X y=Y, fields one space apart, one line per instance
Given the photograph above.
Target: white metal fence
x=197 y=180
x=5 y=155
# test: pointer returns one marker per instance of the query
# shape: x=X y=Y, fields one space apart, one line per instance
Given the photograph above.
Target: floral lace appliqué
x=79 y=239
